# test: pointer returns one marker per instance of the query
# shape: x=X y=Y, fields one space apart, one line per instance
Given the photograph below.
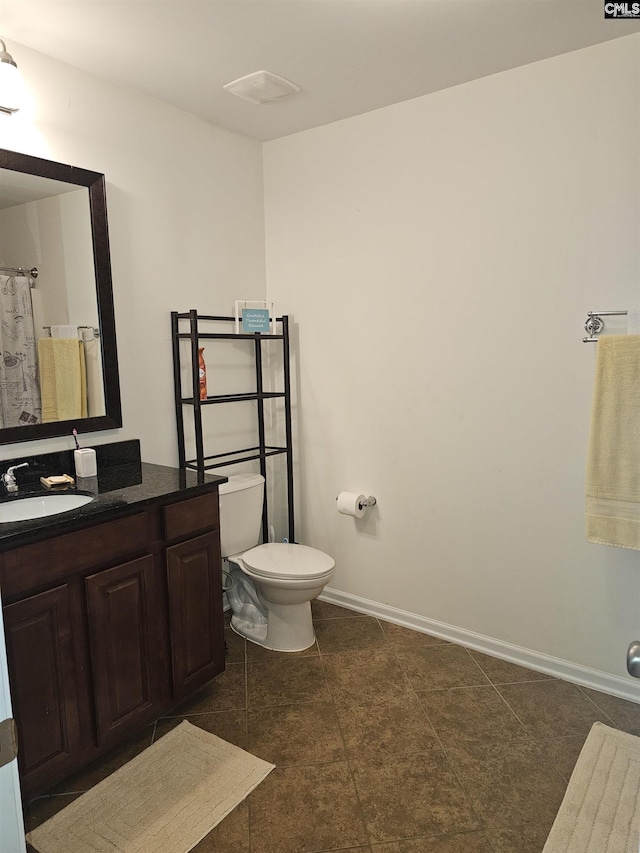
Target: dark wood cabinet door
x=123 y=622
x=194 y=578
x=44 y=691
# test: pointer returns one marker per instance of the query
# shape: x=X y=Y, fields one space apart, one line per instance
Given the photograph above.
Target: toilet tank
x=241 y=500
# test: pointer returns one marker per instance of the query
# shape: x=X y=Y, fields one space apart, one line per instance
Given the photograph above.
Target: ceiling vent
x=261 y=87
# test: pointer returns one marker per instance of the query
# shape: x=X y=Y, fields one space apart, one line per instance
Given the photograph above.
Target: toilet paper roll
x=350 y=503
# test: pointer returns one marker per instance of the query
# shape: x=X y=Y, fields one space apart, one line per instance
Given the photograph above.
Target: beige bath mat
x=600 y=812
x=163 y=801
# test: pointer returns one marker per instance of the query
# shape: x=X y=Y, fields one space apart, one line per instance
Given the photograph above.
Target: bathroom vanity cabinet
x=109 y=626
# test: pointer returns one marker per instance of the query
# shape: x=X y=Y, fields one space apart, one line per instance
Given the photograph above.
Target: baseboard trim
x=595 y=679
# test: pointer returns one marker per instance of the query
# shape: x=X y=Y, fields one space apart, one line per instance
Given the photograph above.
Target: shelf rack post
x=177 y=390
x=261 y=433
x=287 y=422
x=195 y=379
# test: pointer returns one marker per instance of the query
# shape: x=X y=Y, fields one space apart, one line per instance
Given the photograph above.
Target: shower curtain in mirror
x=19 y=389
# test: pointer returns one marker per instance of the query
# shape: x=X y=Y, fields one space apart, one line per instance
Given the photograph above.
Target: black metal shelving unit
x=197 y=324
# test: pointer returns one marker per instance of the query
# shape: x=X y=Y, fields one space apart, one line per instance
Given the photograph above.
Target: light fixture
x=9 y=82
x=261 y=87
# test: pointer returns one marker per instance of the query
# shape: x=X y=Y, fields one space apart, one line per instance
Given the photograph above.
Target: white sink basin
x=26 y=509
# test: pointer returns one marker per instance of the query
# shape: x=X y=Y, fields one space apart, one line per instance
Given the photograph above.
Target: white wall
x=185 y=206
x=438 y=258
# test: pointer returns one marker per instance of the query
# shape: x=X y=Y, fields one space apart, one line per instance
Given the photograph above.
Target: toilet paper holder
x=370 y=501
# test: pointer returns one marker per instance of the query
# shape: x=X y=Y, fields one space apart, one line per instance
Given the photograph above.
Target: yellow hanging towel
x=63 y=380
x=612 y=485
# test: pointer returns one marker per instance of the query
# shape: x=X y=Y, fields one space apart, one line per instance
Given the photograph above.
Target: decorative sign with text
x=255 y=317
x=255 y=320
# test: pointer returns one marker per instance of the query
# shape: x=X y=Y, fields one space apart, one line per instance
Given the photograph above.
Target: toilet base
x=289 y=628
x=249 y=630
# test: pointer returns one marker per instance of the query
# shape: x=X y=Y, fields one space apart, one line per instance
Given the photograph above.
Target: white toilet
x=272 y=584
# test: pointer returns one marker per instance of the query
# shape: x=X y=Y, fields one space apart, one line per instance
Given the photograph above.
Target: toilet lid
x=286 y=560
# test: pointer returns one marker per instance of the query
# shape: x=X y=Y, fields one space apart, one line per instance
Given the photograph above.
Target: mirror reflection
x=57 y=336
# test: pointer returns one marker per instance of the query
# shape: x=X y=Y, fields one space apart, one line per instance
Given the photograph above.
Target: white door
x=11 y=824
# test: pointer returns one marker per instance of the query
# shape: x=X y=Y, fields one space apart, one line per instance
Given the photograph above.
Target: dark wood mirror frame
x=95 y=184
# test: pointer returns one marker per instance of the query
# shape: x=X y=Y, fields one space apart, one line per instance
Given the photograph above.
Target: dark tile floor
x=385 y=740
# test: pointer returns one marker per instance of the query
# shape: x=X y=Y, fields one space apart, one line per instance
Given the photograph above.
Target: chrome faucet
x=9 y=479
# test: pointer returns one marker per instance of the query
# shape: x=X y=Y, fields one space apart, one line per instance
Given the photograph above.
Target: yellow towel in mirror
x=63 y=380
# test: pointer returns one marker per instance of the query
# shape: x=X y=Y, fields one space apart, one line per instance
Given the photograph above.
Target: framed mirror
x=58 y=357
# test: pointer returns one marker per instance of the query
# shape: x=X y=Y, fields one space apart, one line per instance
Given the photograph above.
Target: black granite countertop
x=117 y=490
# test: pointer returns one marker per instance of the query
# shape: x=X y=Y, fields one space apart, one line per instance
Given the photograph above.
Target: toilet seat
x=284 y=560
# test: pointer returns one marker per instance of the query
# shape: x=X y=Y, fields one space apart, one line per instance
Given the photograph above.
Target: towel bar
x=595 y=323
x=96 y=332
